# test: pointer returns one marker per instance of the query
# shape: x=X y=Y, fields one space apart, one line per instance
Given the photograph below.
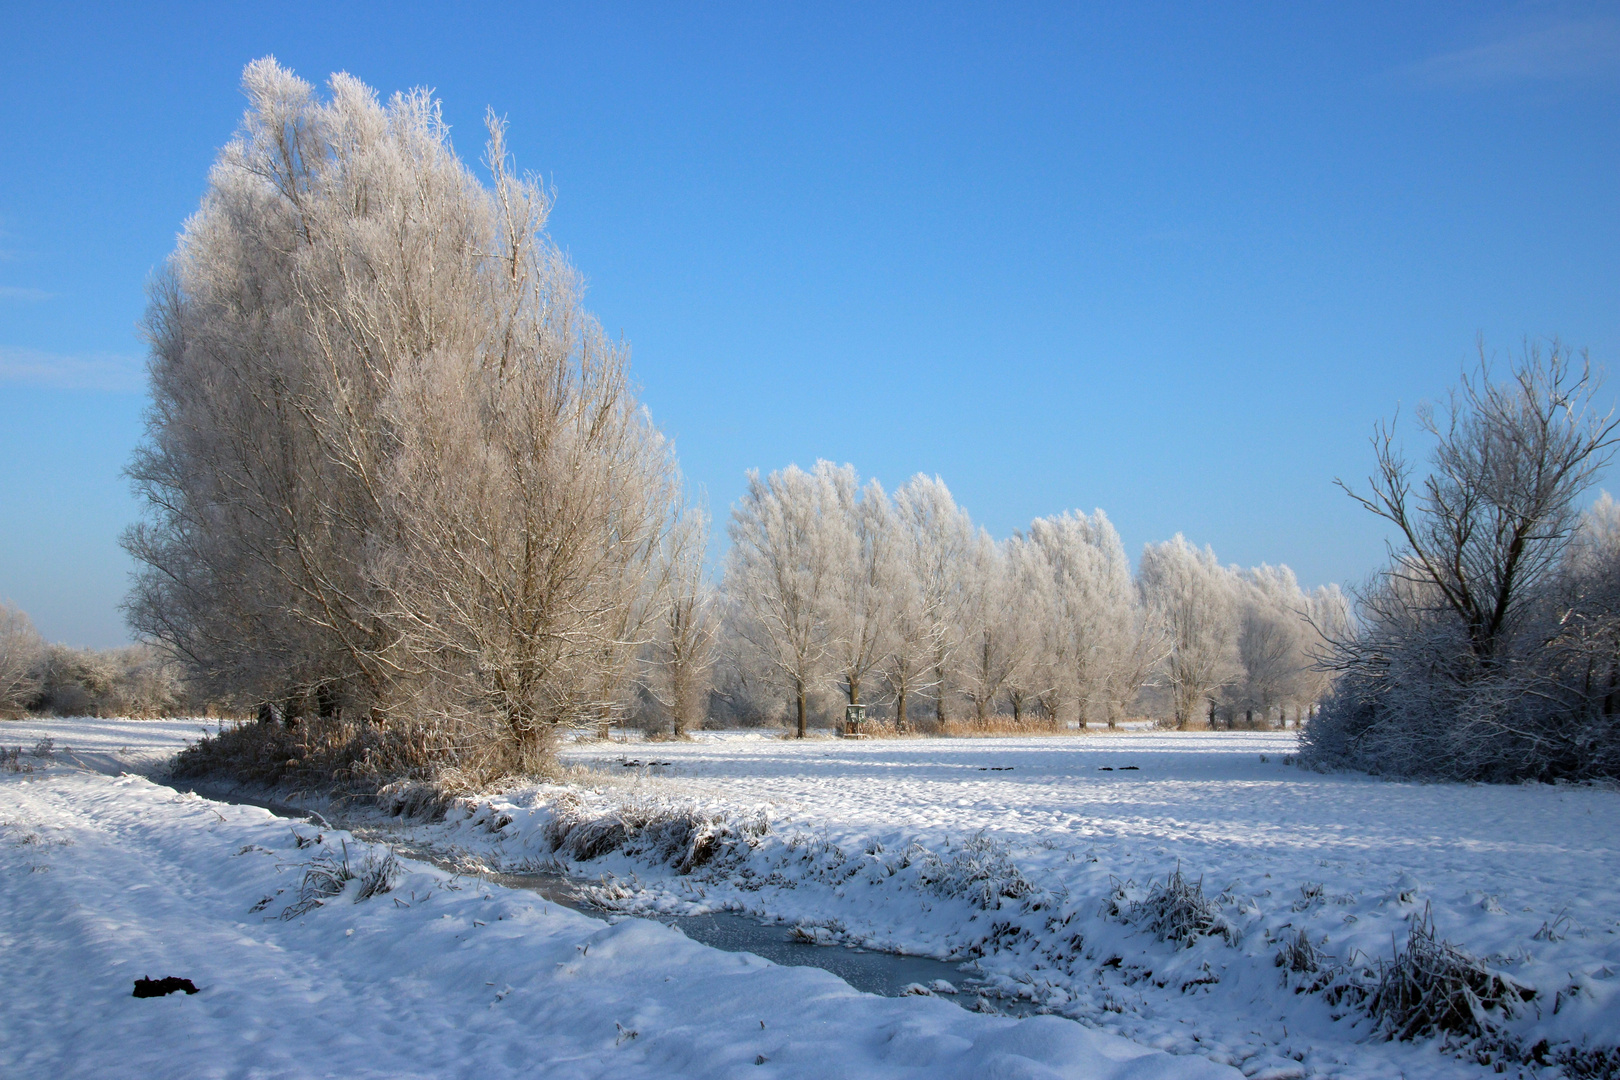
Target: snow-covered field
x=885 y=844
x=1037 y=856
x=112 y=878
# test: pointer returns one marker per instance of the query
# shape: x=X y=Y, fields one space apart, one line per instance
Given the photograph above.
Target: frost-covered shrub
x=980 y=871
x=1433 y=987
x=1178 y=911
x=133 y=681
x=20 y=650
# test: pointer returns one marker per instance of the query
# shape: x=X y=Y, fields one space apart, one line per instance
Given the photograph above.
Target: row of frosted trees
x=833 y=587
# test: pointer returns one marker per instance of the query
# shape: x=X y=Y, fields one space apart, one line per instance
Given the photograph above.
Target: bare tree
x=1481 y=650
x=1490 y=523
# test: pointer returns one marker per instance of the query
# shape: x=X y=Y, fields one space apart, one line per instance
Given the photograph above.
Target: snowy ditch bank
x=316 y=953
x=1212 y=901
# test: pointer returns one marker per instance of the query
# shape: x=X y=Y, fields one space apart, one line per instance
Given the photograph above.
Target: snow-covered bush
x=20 y=652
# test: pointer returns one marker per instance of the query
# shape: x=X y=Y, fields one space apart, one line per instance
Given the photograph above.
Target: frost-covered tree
x=392 y=465
x=987 y=628
x=21 y=650
x=1193 y=597
x=1029 y=626
x=1096 y=631
x=681 y=665
x=934 y=539
x=862 y=550
x=782 y=577
x=1273 y=641
x=1485 y=649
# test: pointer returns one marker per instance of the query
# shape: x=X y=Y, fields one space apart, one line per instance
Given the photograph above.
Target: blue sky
x=1166 y=260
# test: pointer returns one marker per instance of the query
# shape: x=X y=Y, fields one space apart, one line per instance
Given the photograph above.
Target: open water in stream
x=881 y=973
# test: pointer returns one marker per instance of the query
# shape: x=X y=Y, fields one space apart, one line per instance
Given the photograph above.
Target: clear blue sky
x=1165 y=260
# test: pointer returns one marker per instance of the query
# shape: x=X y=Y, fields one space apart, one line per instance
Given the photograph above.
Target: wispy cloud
x=1573 y=49
x=107 y=372
x=24 y=296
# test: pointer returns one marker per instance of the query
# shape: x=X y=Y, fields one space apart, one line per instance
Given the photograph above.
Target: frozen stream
x=884 y=974
x=881 y=973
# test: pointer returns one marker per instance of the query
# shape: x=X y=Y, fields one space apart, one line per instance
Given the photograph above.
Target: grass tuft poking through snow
x=1177 y=911
x=683 y=835
x=324 y=877
x=377 y=873
x=1434 y=988
x=327 y=875
x=980 y=871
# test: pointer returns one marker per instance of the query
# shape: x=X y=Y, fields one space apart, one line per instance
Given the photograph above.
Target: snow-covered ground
x=894 y=844
x=1038 y=857
x=109 y=878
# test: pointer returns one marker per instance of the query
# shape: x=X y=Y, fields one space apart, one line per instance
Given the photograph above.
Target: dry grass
x=1433 y=987
x=678 y=834
x=1178 y=911
x=418 y=767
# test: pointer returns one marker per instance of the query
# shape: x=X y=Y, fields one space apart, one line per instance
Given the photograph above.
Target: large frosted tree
x=934 y=541
x=392 y=465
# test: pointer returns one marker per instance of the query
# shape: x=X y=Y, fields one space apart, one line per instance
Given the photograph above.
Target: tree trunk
x=798 y=689
x=900 y=723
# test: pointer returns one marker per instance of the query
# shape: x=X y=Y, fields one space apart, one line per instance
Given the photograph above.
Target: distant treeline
x=836 y=592
x=39 y=678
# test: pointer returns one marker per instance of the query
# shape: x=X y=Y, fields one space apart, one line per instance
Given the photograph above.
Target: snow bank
x=1192 y=891
x=111 y=879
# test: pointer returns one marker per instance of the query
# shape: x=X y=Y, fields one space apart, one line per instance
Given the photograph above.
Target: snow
x=867 y=839
x=1036 y=856
x=109 y=878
